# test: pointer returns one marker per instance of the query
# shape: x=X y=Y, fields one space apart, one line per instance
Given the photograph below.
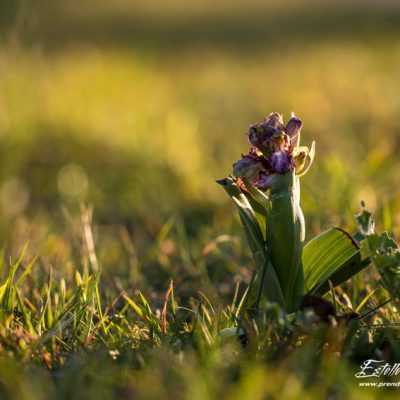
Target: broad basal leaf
x=333 y=255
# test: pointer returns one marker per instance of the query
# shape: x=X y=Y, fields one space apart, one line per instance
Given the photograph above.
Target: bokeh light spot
x=14 y=196
x=73 y=182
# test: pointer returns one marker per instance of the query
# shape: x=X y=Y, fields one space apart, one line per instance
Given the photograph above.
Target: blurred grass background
x=137 y=107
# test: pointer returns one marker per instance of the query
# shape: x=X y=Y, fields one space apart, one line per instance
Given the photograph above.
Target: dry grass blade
x=164 y=311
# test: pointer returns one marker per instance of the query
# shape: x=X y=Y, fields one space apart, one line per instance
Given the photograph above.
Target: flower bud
x=293 y=129
x=275 y=121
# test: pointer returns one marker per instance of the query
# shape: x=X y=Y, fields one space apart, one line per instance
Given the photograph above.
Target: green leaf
x=375 y=244
x=260 y=214
x=252 y=212
x=333 y=255
x=365 y=223
x=259 y=202
x=269 y=282
x=344 y=273
x=249 y=221
x=385 y=254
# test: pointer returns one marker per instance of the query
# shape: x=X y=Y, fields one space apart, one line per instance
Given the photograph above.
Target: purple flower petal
x=262 y=136
x=265 y=181
x=248 y=167
x=281 y=161
x=293 y=129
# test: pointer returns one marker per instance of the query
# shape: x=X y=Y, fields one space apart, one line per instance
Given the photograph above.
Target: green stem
x=286 y=224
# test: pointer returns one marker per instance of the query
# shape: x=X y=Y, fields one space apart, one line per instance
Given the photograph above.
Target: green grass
x=136 y=111
x=83 y=336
